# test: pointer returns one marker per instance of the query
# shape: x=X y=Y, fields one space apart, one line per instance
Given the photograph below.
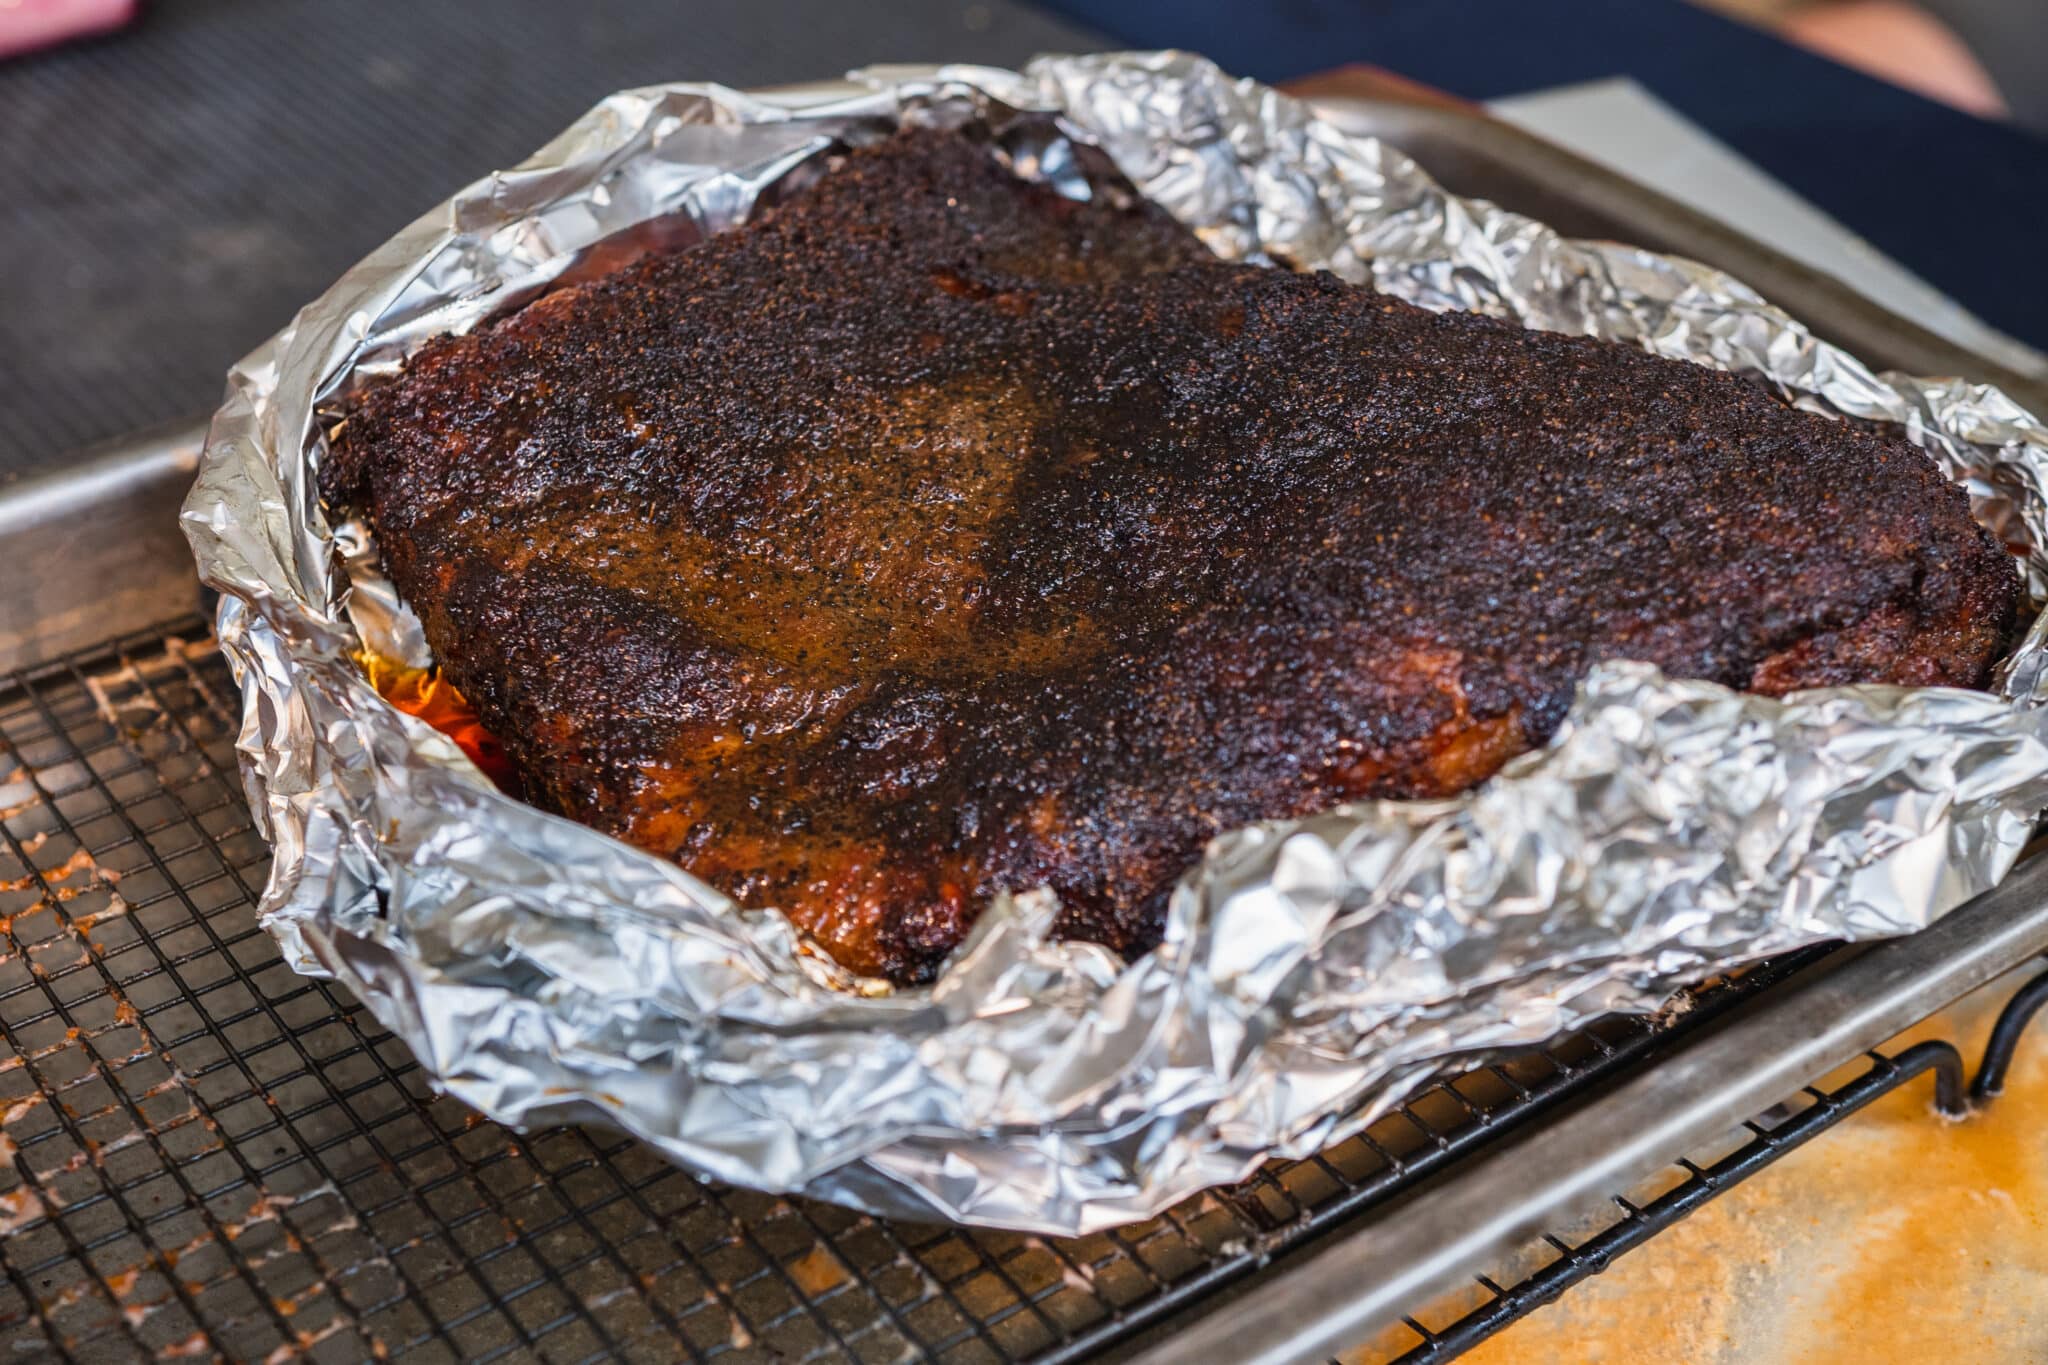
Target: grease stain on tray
x=1896 y=1237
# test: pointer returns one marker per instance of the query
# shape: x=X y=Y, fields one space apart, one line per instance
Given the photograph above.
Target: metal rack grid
x=205 y=1153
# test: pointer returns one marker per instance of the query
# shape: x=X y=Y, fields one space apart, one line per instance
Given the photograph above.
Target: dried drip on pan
x=1898 y=1237
x=934 y=536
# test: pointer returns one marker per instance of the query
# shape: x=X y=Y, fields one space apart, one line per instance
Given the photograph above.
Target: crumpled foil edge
x=1313 y=972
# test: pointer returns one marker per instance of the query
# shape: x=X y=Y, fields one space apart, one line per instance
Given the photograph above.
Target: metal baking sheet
x=126 y=495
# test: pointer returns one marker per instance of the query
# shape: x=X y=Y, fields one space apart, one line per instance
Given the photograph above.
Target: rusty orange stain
x=817 y=1271
x=19 y=1208
x=1898 y=1237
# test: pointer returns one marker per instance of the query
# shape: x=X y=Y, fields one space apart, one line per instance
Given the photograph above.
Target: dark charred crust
x=935 y=536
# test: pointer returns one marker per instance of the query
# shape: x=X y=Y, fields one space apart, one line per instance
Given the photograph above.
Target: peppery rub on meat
x=934 y=535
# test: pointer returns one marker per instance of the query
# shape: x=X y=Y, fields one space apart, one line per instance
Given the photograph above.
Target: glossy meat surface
x=933 y=536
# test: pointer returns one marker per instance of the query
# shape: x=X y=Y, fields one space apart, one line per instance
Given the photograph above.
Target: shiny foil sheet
x=1312 y=972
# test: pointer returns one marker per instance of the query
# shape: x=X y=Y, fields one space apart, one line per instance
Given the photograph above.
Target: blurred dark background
x=172 y=191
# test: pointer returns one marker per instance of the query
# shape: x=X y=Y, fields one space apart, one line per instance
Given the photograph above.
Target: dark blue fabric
x=1959 y=200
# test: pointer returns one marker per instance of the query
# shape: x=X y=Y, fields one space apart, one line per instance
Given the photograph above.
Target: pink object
x=26 y=25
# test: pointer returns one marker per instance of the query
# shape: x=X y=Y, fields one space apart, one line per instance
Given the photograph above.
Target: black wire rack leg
x=2005 y=1038
x=1946 y=1063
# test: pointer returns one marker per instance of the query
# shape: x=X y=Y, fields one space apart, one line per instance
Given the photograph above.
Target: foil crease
x=1312 y=972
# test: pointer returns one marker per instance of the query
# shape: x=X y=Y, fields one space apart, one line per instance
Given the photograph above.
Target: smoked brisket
x=933 y=535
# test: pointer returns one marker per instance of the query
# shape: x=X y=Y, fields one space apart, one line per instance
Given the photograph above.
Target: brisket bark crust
x=934 y=535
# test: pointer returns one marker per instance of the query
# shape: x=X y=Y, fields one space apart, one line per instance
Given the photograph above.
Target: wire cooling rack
x=205 y=1155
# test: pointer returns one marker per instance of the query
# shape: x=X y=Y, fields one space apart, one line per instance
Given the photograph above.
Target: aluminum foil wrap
x=1312 y=972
